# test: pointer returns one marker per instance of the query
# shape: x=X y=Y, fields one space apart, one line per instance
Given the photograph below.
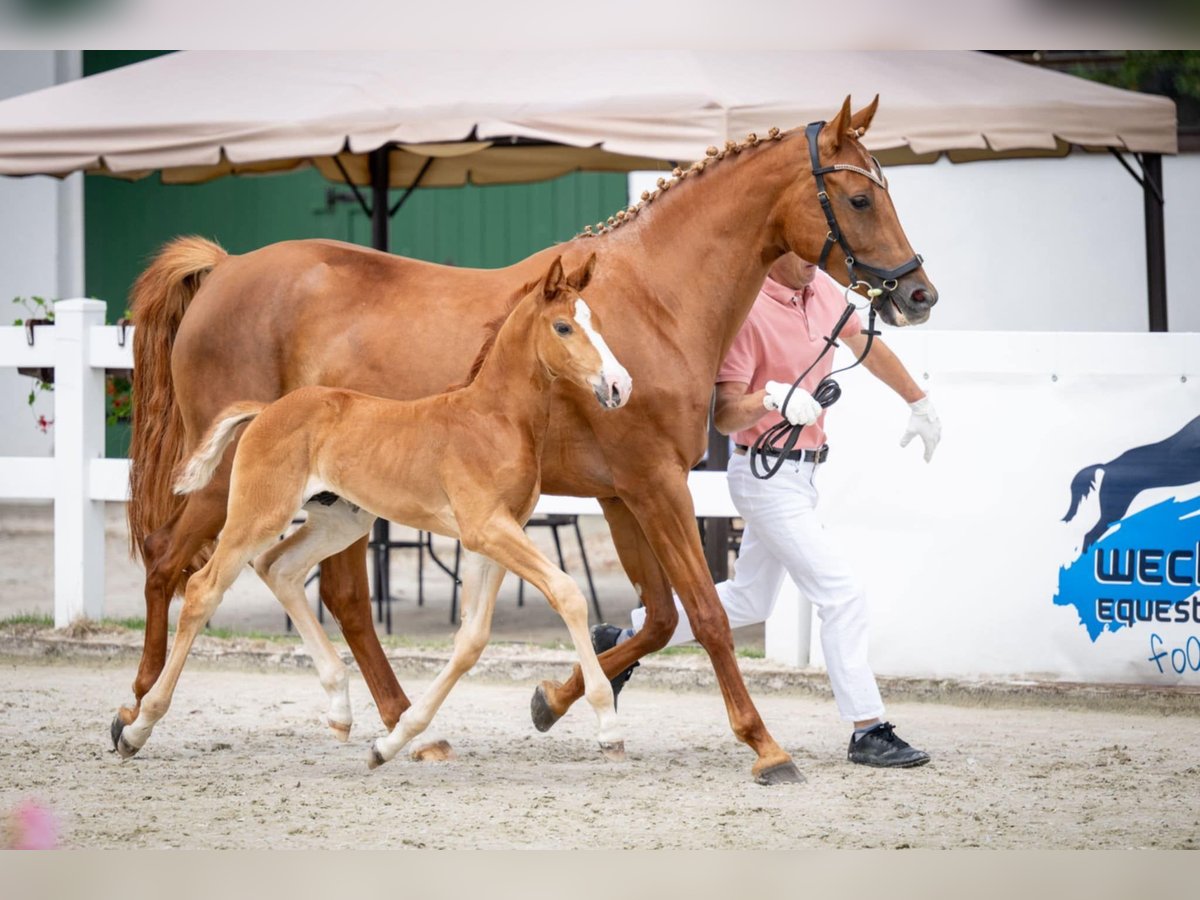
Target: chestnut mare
x=432 y=463
x=678 y=275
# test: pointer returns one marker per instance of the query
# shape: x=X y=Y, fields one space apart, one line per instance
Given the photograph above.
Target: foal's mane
x=712 y=156
x=492 y=331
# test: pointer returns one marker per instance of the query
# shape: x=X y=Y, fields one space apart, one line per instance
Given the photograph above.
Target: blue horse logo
x=1172 y=462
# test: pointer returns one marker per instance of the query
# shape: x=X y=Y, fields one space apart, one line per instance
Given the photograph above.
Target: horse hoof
x=341 y=730
x=374 y=757
x=437 y=751
x=125 y=748
x=539 y=709
x=117 y=727
x=614 y=751
x=783 y=773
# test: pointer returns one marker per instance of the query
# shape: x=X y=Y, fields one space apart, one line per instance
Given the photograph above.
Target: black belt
x=813 y=456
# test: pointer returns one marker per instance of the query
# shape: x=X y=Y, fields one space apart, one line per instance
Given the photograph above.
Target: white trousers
x=783 y=536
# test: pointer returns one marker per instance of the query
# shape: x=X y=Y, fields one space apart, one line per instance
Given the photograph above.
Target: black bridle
x=888 y=277
x=828 y=391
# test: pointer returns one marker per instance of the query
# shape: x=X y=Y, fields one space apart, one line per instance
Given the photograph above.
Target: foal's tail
x=197 y=470
x=158 y=300
x=1081 y=486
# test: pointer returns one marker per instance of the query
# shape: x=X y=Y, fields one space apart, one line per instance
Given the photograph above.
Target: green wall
x=126 y=222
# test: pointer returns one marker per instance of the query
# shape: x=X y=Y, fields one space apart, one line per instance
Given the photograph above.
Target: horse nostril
x=920 y=295
x=616 y=395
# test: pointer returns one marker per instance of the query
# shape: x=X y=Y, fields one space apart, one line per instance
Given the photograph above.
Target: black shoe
x=880 y=747
x=604 y=637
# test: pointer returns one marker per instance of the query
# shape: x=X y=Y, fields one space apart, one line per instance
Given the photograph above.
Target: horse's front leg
x=481 y=579
x=668 y=522
x=552 y=700
x=346 y=593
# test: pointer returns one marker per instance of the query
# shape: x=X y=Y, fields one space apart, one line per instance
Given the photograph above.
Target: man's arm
x=886 y=366
x=737 y=407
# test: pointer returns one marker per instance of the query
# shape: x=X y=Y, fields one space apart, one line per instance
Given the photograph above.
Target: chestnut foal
x=464 y=464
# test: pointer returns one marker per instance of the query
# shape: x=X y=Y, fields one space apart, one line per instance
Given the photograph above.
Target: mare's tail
x=1081 y=486
x=159 y=299
x=197 y=470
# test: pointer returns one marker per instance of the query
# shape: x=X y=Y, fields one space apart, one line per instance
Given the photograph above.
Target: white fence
x=79 y=347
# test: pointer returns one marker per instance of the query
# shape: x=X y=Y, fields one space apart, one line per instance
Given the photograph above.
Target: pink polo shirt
x=779 y=339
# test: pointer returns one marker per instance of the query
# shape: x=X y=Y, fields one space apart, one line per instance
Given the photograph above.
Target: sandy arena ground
x=243 y=761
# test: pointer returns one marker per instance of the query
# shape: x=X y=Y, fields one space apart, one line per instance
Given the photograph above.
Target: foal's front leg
x=506 y=542
x=481 y=579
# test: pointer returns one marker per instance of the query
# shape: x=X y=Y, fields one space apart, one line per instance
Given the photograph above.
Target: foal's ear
x=554 y=281
x=839 y=126
x=581 y=277
x=861 y=120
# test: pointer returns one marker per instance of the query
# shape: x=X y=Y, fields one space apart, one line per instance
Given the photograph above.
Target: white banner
x=969 y=566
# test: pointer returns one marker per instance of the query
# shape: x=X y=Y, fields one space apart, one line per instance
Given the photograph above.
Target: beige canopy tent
x=524 y=116
x=399 y=120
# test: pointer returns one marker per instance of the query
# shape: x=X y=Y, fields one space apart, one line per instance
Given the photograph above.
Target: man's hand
x=925 y=424
x=802 y=408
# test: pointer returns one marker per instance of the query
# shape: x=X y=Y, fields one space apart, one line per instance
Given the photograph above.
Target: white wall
x=41 y=245
x=1043 y=244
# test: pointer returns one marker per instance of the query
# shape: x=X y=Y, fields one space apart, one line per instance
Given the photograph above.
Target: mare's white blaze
x=612 y=371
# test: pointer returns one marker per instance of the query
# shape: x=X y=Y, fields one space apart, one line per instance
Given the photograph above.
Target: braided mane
x=711 y=156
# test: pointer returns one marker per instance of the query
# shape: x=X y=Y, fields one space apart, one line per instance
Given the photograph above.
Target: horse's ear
x=581 y=277
x=554 y=281
x=861 y=120
x=839 y=126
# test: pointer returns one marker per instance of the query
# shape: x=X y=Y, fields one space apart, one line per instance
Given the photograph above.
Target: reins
x=828 y=391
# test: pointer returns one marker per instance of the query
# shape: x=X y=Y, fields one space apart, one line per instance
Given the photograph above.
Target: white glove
x=802 y=409
x=925 y=424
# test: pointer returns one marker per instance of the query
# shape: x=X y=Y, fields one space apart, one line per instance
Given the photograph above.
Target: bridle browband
x=888 y=277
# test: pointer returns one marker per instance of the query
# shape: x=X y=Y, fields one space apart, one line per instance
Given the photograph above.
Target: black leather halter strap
x=887 y=277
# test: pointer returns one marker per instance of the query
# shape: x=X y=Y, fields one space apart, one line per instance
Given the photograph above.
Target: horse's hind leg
x=552 y=700
x=346 y=594
x=284 y=567
x=167 y=553
x=481 y=580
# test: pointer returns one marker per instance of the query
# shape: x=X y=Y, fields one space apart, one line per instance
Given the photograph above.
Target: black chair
x=553 y=522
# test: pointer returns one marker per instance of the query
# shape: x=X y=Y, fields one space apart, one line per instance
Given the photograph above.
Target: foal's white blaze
x=611 y=371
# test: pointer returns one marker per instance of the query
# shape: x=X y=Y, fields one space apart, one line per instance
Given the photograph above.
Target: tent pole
x=381 y=533
x=1156 y=255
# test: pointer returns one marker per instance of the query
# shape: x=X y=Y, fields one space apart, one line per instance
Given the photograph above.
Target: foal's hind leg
x=481 y=580
x=284 y=568
x=250 y=533
x=167 y=553
x=346 y=594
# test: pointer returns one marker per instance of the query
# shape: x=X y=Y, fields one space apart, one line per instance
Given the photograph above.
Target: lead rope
x=826 y=394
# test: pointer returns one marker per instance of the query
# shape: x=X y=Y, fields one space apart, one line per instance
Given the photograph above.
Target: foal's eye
x=562 y=329
x=862 y=201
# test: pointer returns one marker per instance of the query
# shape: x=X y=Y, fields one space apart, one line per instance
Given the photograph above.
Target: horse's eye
x=862 y=201
x=562 y=329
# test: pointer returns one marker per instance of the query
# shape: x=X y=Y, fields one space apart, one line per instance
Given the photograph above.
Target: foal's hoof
x=539 y=709
x=374 y=757
x=435 y=751
x=117 y=727
x=783 y=773
x=341 y=730
x=125 y=748
x=614 y=751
